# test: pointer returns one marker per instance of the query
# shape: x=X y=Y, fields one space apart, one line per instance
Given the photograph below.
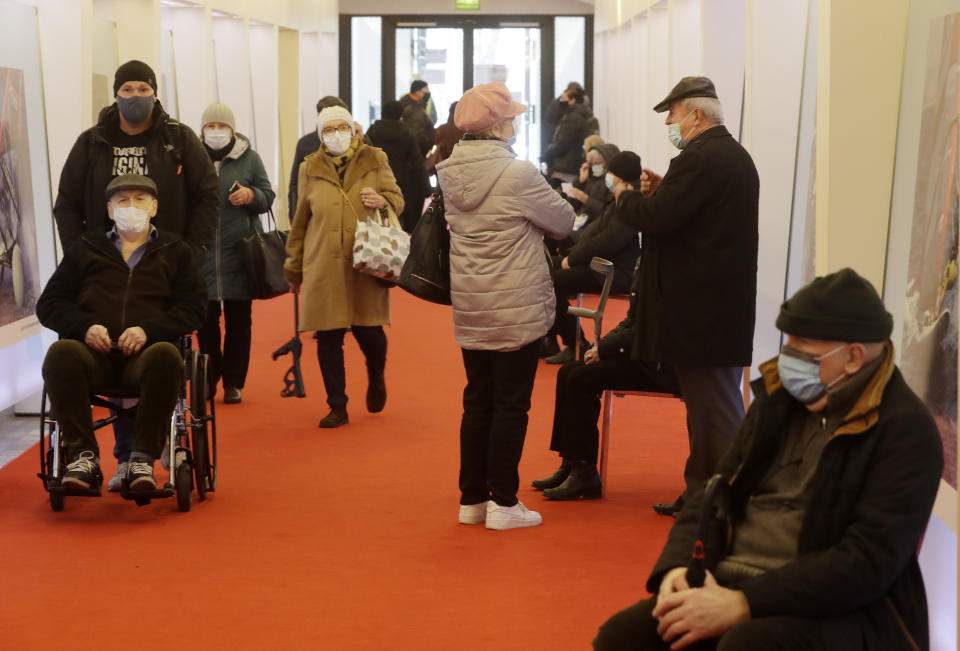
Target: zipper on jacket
x=126 y=293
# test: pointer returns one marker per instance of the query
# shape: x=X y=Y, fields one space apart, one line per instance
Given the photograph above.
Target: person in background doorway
x=136 y=136
x=555 y=111
x=447 y=136
x=340 y=185
x=564 y=155
x=416 y=114
x=498 y=209
x=308 y=144
x=246 y=193
x=398 y=142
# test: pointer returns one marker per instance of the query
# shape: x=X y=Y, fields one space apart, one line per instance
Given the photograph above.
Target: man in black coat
x=136 y=136
x=699 y=275
x=395 y=138
x=119 y=301
x=607 y=365
x=607 y=238
x=832 y=478
x=419 y=114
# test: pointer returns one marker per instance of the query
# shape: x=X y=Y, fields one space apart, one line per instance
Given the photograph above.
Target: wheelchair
x=191 y=449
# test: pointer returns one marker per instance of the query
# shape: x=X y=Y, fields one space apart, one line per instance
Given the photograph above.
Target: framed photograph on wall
x=27 y=255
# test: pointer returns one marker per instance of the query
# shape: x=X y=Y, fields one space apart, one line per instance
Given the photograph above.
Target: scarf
x=341 y=161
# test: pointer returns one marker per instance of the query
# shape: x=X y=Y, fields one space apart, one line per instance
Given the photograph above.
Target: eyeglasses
x=345 y=130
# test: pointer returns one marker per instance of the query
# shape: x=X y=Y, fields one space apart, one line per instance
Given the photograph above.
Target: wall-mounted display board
x=26 y=224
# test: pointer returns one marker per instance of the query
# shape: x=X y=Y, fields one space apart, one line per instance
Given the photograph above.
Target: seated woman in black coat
x=606 y=237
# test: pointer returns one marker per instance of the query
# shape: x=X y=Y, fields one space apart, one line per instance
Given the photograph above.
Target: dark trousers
x=567 y=283
x=230 y=362
x=635 y=629
x=714 y=413
x=373 y=343
x=494 y=424
x=577 y=405
x=71 y=370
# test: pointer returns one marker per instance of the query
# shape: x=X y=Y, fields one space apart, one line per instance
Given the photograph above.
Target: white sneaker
x=473 y=513
x=121 y=473
x=511 y=517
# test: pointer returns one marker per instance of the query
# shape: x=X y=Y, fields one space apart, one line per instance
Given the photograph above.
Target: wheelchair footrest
x=69 y=491
x=142 y=498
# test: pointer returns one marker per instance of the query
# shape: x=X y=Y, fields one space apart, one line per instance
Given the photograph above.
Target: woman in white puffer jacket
x=498 y=209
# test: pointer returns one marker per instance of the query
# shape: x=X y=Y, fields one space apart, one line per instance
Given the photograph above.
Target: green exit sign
x=462 y=5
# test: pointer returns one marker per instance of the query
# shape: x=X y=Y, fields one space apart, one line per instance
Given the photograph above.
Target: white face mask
x=338 y=142
x=597 y=170
x=130 y=220
x=216 y=138
x=675 y=135
x=611 y=184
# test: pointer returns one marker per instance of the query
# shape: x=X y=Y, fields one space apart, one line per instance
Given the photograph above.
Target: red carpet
x=342 y=539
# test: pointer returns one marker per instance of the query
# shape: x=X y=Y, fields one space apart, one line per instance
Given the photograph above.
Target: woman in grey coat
x=498 y=210
x=245 y=193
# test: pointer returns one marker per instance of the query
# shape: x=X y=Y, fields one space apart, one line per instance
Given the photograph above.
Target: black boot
x=548 y=346
x=376 y=393
x=555 y=479
x=583 y=482
x=336 y=418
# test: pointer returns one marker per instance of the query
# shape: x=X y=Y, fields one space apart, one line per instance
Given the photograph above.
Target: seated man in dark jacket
x=606 y=237
x=119 y=300
x=832 y=477
x=606 y=365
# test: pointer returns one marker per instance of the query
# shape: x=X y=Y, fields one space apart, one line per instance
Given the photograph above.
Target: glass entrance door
x=435 y=55
x=512 y=55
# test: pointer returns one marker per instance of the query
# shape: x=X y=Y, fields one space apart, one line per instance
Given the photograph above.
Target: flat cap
x=131 y=182
x=842 y=306
x=688 y=87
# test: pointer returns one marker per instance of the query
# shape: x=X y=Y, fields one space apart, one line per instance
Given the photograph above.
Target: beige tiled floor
x=17 y=434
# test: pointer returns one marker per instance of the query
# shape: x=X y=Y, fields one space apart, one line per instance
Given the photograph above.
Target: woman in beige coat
x=498 y=209
x=344 y=182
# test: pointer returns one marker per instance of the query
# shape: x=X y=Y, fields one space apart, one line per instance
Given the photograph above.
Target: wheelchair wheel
x=56 y=501
x=184 y=486
x=199 y=424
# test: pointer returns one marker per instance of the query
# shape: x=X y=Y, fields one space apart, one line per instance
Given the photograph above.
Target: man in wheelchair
x=119 y=300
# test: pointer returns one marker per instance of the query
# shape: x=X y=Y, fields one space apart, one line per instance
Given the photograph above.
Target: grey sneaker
x=140 y=473
x=121 y=473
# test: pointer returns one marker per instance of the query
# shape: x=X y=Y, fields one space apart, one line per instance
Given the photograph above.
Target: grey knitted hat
x=218 y=112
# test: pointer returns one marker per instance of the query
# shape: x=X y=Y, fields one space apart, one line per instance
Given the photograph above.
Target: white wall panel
x=685 y=40
x=192 y=52
x=776 y=33
x=232 y=56
x=264 y=71
x=640 y=99
x=658 y=85
x=310 y=66
x=724 y=24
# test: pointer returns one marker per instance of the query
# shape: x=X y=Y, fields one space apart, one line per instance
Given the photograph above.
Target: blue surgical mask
x=675 y=135
x=611 y=184
x=136 y=109
x=597 y=170
x=800 y=374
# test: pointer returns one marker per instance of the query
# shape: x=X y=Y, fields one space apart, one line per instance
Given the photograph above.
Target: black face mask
x=426 y=97
x=136 y=109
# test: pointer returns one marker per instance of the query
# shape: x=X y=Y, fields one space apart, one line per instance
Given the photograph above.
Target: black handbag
x=426 y=271
x=262 y=256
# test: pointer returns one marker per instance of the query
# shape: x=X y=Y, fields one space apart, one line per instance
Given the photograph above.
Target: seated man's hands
x=592 y=355
x=689 y=615
x=565 y=263
x=132 y=340
x=98 y=338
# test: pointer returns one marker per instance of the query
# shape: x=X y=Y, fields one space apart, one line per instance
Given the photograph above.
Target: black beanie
x=840 y=307
x=626 y=165
x=392 y=110
x=417 y=85
x=134 y=71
